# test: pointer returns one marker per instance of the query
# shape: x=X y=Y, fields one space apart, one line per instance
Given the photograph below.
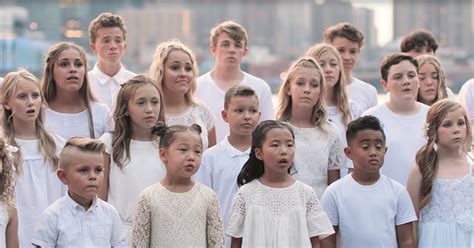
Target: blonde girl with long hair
x=132 y=160
x=432 y=80
x=319 y=153
x=175 y=69
x=23 y=120
x=72 y=108
x=441 y=184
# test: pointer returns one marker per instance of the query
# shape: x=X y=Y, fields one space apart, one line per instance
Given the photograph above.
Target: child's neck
x=330 y=99
x=240 y=142
x=403 y=107
x=109 y=69
x=141 y=134
x=177 y=185
x=450 y=153
x=365 y=178
x=276 y=180
x=300 y=117
x=175 y=104
x=85 y=203
x=348 y=77
x=66 y=102
x=24 y=130
x=226 y=77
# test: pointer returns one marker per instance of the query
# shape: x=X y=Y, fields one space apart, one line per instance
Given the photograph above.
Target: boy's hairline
x=233 y=96
x=370 y=129
x=66 y=158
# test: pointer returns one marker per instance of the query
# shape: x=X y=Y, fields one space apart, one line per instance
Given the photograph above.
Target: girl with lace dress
x=177 y=211
x=272 y=209
x=319 y=149
x=441 y=183
x=132 y=160
x=175 y=69
x=37 y=185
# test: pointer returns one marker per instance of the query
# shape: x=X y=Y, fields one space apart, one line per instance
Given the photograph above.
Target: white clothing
x=277 y=217
x=168 y=219
x=220 y=166
x=35 y=189
x=4 y=219
x=209 y=93
x=142 y=170
x=466 y=98
x=198 y=114
x=450 y=93
x=316 y=153
x=106 y=88
x=404 y=137
x=69 y=125
x=362 y=93
x=448 y=219
x=67 y=224
x=367 y=214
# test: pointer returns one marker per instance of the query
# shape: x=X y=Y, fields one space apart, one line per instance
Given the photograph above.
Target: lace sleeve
x=142 y=222
x=214 y=226
x=237 y=216
x=318 y=221
x=207 y=116
x=336 y=152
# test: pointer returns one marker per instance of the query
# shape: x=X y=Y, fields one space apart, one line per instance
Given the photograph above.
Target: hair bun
x=159 y=128
x=197 y=128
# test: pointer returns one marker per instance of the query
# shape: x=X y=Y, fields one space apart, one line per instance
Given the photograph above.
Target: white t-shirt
x=67 y=224
x=144 y=169
x=35 y=189
x=106 y=88
x=362 y=93
x=404 y=138
x=209 y=93
x=198 y=114
x=466 y=98
x=367 y=215
x=220 y=166
x=77 y=125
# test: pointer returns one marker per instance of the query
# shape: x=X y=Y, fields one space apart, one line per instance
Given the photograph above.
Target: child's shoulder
x=99 y=108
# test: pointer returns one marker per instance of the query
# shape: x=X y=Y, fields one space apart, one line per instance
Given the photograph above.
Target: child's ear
x=6 y=105
x=163 y=154
x=62 y=176
x=348 y=152
x=212 y=49
x=224 y=115
x=384 y=85
x=258 y=154
x=92 y=46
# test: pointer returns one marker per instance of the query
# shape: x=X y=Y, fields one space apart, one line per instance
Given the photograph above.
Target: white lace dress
x=167 y=219
x=277 y=217
x=198 y=114
x=316 y=153
x=448 y=220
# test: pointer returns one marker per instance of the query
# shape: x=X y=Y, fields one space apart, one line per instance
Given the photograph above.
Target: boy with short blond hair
x=349 y=41
x=80 y=219
x=229 y=43
x=107 y=35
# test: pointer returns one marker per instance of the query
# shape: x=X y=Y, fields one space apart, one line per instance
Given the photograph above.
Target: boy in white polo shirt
x=229 y=46
x=80 y=219
x=107 y=35
x=221 y=164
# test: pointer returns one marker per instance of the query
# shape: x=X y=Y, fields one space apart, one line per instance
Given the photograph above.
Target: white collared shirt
x=65 y=223
x=106 y=88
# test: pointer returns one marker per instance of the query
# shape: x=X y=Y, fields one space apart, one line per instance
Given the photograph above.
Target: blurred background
x=279 y=30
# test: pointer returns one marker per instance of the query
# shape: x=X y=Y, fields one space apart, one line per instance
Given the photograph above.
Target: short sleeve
x=318 y=221
x=237 y=214
x=46 y=232
x=207 y=116
x=107 y=139
x=141 y=231
x=466 y=99
x=204 y=174
x=336 y=152
x=214 y=225
x=119 y=235
x=329 y=206
x=356 y=110
x=405 y=210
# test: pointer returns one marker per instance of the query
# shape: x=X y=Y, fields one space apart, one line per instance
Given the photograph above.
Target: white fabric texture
x=168 y=219
x=209 y=93
x=106 y=88
x=198 y=114
x=144 y=169
x=362 y=93
x=367 y=215
x=404 y=138
x=4 y=218
x=277 y=217
x=448 y=220
x=35 y=189
x=67 y=224
x=77 y=125
x=466 y=98
x=316 y=153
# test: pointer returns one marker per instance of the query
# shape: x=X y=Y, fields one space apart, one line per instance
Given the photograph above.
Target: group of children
x=183 y=161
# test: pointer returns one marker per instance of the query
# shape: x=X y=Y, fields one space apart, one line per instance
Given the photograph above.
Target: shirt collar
x=76 y=207
x=231 y=150
x=104 y=78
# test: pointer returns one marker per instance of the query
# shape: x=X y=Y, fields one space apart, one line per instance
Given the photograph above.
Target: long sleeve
x=214 y=225
x=141 y=234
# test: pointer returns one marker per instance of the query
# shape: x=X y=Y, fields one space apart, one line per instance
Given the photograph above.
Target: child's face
x=367 y=151
x=183 y=156
x=69 y=71
x=328 y=62
x=278 y=151
x=349 y=52
x=144 y=108
x=83 y=176
x=242 y=114
x=109 y=46
x=25 y=102
x=227 y=51
x=305 y=88
x=452 y=131
x=178 y=73
x=402 y=82
x=428 y=76
x=420 y=51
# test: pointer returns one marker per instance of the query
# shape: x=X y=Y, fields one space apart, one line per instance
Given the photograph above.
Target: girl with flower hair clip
x=441 y=184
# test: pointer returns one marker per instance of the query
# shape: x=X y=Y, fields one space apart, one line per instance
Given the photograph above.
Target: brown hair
x=417 y=39
x=106 y=20
x=167 y=134
x=238 y=90
x=394 y=59
x=344 y=30
x=233 y=29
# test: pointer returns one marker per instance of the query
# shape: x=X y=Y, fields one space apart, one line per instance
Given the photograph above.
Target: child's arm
x=236 y=243
x=12 y=228
x=211 y=137
x=413 y=187
x=329 y=241
x=104 y=190
x=141 y=232
x=405 y=237
x=333 y=175
x=214 y=226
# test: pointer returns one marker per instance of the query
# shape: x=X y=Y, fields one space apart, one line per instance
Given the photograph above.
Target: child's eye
x=189 y=68
x=239 y=110
x=118 y=40
x=63 y=64
x=83 y=170
x=447 y=125
x=315 y=85
x=174 y=67
x=99 y=169
x=155 y=102
x=79 y=64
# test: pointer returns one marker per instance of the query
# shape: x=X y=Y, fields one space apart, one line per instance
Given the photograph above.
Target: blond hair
x=441 y=91
x=83 y=144
x=7 y=173
x=233 y=29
